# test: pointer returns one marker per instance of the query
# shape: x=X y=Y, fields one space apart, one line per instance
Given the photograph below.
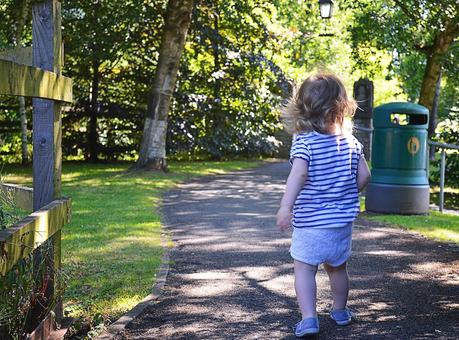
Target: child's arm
x=295 y=182
x=363 y=174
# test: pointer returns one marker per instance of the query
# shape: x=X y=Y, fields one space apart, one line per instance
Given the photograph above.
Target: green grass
x=436 y=225
x=112 y=247
x=443 y=227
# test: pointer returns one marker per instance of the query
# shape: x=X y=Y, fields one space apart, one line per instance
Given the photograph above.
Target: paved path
x=231 y=276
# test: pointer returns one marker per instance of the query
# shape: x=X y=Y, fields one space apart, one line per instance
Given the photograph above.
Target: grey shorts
x=315 y=246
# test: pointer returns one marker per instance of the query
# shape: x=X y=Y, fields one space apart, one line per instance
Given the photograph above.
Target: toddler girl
x=321 y=195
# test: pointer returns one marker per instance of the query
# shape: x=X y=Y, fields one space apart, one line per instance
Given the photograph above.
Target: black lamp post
x=326 y=8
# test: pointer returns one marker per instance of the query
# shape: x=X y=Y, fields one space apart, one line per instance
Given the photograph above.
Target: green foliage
x=10 y=129
x=448 y=132
x=24 y=288
x=9 y=213
x=229 y=89
x=111 y=54
x=240 y=60
x=406 y=30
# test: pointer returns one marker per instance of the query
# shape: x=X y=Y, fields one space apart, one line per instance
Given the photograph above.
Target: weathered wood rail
x=36 y=72
x=31 y=81
x=23 y=237
x=21 y=197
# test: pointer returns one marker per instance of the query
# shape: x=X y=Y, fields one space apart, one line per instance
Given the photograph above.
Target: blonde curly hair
x=320 y=104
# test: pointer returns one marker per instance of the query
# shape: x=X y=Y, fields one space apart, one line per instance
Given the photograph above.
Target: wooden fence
x=36 y=72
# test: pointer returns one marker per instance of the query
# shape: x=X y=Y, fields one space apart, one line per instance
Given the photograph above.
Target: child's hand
x=284 y=218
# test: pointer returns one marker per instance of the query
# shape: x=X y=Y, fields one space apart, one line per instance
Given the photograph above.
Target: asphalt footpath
x=231 y=276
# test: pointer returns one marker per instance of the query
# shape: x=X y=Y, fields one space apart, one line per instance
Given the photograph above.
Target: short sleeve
x=300 y=149
x=359 y=148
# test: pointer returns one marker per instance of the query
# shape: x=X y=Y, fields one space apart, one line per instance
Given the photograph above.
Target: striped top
x=329 y=197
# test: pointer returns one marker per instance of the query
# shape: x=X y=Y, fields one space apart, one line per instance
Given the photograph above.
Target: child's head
x=320 y=104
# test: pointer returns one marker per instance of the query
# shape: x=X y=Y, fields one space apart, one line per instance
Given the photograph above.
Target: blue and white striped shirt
x=329 y=197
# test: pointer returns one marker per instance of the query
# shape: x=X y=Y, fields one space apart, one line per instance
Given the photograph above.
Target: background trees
x=422 y=38
x=239 y=62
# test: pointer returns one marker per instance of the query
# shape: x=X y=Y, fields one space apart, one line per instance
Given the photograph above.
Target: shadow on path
x=231 y=275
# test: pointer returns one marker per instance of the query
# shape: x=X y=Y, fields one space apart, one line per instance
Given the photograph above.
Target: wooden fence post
x=47 y=154
x=47 y=131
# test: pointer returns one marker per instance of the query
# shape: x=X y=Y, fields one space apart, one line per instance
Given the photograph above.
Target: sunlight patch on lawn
x=440 y=226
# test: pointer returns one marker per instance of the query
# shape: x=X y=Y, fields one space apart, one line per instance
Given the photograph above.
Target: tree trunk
x=152 y=154
x=20 y=23
x=93 y=137
x=443 y=41
x=214 y=123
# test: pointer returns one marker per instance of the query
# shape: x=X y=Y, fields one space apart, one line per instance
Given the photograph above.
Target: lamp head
x=326 y=8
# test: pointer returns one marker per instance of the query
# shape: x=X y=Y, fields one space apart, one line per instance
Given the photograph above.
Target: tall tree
x=152 y=153
x=423 y=27
x=100 y=35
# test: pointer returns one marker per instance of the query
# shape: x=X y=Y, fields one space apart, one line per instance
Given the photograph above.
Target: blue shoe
x=342 y=317
x=308 y=326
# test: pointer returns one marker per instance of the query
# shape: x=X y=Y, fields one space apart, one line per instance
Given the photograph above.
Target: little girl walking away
x=321 y=195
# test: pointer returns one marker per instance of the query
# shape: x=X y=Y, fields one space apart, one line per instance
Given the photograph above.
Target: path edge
x=117 y=327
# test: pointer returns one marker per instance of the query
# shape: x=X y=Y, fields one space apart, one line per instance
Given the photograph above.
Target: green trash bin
x=399 y=181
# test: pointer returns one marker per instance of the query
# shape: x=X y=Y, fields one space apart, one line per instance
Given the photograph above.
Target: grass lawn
x=436 y=225
x=112 y=247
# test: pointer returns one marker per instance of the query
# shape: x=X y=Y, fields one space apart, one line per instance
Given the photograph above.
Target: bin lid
x=401 y=115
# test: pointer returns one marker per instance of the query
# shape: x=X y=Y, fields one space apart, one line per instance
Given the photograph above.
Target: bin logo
x=413 y=145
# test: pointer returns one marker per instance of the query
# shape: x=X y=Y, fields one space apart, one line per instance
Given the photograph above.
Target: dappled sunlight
x=389 y=253
x=447 y=305
x=209 y=288
x=281 y=285
x=17 y=179
x=123 y=303
x=120 y=245
x=379 y=306
x=369 y=234
x=41 y=227
x=443 y=234
x=438 y=271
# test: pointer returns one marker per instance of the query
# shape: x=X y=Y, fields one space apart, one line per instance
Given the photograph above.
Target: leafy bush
x=448 y=132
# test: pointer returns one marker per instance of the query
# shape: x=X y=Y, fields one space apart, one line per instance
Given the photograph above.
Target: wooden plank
x=21 y=196
x=47 y=123
x=19 y=55
x=19 y=240
x=28 y=81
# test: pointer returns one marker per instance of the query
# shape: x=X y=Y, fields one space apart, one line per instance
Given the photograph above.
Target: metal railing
x=443 y=147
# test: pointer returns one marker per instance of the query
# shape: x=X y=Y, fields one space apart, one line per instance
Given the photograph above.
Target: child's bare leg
x=339 y=283
x=306 y=289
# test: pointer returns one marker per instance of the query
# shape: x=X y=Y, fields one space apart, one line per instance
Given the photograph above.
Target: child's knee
x=304 y=266
x=331 y=269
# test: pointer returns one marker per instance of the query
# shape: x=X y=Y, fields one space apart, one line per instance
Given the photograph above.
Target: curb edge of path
x=117 y=327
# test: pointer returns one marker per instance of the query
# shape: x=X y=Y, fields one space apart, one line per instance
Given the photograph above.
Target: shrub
x=448 y=132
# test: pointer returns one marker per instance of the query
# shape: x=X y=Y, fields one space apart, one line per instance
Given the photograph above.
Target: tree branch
x=408 y=11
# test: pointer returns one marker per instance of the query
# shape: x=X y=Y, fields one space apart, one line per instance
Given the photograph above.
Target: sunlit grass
x=112 y=247
x=436 y=225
